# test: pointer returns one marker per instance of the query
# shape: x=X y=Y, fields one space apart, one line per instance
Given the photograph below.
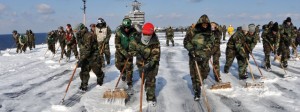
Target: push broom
x=220 y=84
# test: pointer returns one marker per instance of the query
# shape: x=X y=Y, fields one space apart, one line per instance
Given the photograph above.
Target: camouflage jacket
x=237 y=41
x=31 y=37
x=199 y=40
x=218 y=36
x=251 y=41
x=61 y=36
x=270 y=38
x=89 y=46
x=16 y=37
x=149 y=53
x=169 y=33
x=286 y=34
x=51 y=39
x=122 y=39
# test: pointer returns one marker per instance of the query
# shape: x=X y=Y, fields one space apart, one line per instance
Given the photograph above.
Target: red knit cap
x=148 y=29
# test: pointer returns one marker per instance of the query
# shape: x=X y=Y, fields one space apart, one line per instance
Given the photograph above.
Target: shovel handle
x=141 y=94
x=122 y=73
x=71 y=78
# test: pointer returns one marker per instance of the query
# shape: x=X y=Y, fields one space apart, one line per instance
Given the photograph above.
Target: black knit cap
x=275 y=27
x=288 y=19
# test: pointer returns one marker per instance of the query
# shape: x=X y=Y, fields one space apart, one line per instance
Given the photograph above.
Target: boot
x=151 y=102
x=100 y=81
x=130 y=90
x=197 y=93
x=123 y=77
x=83 y=88
x=243 y=77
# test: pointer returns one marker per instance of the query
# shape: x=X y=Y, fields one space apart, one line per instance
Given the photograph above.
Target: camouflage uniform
x=16 y=36
x=257 y=31
x=286 y=35
x=149 y=54
x=122 y=40
x=224 y=30
x=89 y=57
x=62 y=42
x=51 y=41
x=270 y=41
x=297 y=38
x=293 y=41
x=235 y=49
x=31 y=39
x=71 y=43
x=216 y=53
x=103 y=33
x=170 y=36
x=199 y=42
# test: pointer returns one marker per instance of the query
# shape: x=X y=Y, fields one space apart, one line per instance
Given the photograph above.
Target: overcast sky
x=46 y=15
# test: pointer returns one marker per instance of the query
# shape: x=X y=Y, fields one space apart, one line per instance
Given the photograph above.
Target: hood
x=203 y=19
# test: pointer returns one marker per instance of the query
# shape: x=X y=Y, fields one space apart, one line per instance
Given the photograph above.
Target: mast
x=84 y=8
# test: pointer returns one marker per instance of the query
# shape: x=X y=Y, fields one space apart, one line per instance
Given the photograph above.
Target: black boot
x=197 y=93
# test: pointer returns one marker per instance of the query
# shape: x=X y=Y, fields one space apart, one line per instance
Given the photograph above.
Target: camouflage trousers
x=284 y=53
x=106 y=53
x=51 y=47
x=294 y=46
x=63 y=50
x=224 y=35
x=94 y=65
x=30 y=44
x=230 y=55
x=242 y=63
x=72 y=47
x=170 y=39
x=267 y=51
x=204 y=69
x=150 y=81
x=23 y=47
x=18 y=47
x=216 y=64
x=120 y=62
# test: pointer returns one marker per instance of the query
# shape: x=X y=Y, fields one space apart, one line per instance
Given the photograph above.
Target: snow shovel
x=254 y=84
x=254 y=61
x=62 y=101
x=141 y=94
x=204 y=94
x=117 y=93
x=220 y=84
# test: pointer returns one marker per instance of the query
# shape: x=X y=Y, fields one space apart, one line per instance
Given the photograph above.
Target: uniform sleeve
x=187 y=42
x=85 y=50
x=155 y=55
x=133 y=47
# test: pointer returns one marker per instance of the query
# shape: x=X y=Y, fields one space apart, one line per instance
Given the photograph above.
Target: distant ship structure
x=136 y=15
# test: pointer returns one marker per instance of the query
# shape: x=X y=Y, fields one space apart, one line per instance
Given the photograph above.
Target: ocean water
x=7 y=41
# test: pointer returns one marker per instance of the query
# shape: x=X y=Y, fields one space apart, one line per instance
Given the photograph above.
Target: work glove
x=79 y=63
x=146 y=68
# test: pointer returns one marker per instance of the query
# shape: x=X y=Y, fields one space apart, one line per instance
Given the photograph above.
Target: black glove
x=198 y=58
x=146 y=67
x=79 y=64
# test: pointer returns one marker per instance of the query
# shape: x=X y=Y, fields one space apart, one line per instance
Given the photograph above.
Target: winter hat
x=148 y=29
x=251 y=28
x=275 y=27
x=245 y=27
x=288 y=19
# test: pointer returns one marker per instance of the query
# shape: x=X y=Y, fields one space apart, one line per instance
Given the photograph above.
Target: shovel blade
x=254 y=85
x=221 y=85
